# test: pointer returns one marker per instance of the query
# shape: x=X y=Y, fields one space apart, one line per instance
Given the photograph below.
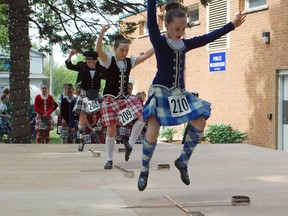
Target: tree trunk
x=19 y=71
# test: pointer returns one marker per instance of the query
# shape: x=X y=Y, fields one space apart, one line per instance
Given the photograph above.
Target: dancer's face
x=121 y=51
x=91 y=63
x=44 y=89
x=176 y=28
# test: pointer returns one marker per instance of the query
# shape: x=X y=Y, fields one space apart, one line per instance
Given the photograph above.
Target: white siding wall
x=36 y=70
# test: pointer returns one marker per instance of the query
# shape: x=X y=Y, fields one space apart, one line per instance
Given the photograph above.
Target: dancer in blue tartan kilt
x=168 y=102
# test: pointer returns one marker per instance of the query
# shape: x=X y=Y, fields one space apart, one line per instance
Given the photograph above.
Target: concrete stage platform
x=56 y=180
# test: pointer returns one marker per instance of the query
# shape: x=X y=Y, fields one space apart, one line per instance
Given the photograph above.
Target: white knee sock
x=136 y=130
x=110 y=141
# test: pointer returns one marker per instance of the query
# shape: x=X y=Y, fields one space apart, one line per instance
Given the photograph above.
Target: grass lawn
x=54 y=137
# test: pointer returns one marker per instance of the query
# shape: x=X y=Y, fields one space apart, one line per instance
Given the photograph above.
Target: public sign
x=217 y=62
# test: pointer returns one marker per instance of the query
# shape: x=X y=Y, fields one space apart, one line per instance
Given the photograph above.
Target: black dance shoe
x=108 y=165
x=142 y=181
x=128 y=151
x=183 y=172
x=81 y=146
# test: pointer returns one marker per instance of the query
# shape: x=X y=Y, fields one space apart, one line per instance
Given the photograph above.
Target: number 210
x=179 y=105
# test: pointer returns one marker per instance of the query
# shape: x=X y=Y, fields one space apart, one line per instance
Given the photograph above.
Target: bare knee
x=152 y=135
x=198 y=123
x=82 y=118
x=153 y=129
x=111 y=130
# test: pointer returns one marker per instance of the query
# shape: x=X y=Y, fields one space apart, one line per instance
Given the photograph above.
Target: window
x=143 y=30
x=217 y=18
x=255 y=4
x=193 y=15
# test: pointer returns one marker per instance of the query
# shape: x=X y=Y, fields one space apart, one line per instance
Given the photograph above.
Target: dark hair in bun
x=172 y=5
x=120 y=39
x=174 y=9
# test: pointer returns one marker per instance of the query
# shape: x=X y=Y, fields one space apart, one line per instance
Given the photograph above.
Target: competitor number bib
x=125 y=116
x=92 y=106
x=178 y=105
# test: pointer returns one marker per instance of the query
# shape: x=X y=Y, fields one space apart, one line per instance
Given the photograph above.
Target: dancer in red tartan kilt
x=117 y=105
x=44 y=106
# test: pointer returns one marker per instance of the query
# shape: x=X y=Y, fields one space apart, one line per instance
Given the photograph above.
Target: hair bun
x=172 y=5
x=119 y=37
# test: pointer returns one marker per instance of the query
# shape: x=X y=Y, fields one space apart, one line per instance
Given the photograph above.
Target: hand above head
x=105 y=28
x=239 y=19
x=73 y=52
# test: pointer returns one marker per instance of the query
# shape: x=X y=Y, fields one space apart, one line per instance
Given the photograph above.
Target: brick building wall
x=247 y=91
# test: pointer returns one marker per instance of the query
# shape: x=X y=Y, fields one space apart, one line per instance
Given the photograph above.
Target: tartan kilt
x=4 y=127
x=158 y=105
x=44 y=124
x=79 y=105
x=111 y=106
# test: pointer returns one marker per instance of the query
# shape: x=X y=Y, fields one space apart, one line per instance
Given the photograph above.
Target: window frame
x=145 y=29
x=257 y=8
x=190 y=9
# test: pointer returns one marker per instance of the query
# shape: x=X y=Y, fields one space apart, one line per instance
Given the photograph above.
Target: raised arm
x=144 y=56
x=68 y=62
x=154 y=31
x=73 y=52
x=102 y=55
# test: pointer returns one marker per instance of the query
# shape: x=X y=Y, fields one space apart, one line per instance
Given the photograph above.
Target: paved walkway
x=57 y=180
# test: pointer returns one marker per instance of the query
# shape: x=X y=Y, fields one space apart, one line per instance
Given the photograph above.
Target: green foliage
x=168 y=133
x=61 y=75
x=76 y=24
x=72 y=24
x=4 y=26
x=224 y=133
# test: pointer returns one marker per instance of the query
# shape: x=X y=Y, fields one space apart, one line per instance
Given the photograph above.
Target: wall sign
x=217 y=62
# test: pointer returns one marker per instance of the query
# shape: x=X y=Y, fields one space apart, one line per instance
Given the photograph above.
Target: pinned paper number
x=87 y=138
x=92 y=106
x=125 y=116
x=179 y=105
x=43 y=126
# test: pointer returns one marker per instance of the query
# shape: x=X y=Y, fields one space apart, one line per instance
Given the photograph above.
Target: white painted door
x=285 y=114
x=283 y=111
